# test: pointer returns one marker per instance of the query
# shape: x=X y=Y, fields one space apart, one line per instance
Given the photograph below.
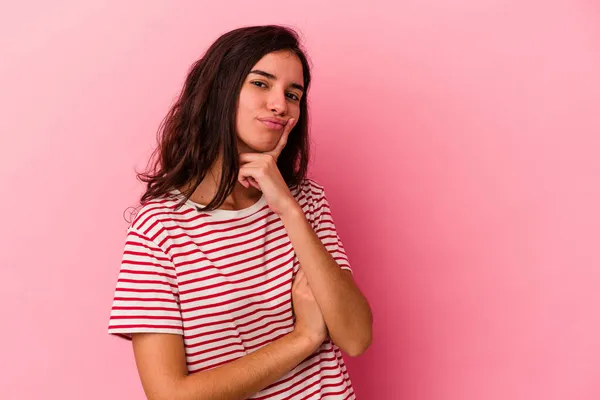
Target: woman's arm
x=345 y=309
x=161 y=364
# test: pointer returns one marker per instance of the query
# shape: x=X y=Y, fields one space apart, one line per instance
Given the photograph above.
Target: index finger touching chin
x=284 y=136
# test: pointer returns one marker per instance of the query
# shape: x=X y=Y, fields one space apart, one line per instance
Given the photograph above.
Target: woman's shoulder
x=153 y=212
x=309 y=189
x=309 y=186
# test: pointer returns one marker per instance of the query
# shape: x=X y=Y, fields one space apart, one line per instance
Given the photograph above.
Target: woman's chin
x=262 y=146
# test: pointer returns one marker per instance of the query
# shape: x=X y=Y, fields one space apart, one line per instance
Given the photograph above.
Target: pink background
x=458 y=140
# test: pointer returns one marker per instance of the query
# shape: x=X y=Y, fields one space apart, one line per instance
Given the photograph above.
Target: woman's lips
x=272 y=125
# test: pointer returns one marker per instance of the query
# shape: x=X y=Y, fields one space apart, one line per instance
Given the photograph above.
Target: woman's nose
x=277 y=103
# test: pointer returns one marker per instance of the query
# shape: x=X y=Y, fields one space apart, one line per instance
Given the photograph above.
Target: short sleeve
x=326 y=231
x=146 y=298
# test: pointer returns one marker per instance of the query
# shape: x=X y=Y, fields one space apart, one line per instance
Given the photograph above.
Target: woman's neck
x=238 y=199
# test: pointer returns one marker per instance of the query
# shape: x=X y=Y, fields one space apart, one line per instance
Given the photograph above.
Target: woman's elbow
x=359 y=348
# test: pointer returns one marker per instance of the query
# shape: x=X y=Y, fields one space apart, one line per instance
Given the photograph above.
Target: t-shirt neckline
x=219 y=213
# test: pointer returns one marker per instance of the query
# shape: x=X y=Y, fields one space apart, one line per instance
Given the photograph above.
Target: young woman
x=234 y=283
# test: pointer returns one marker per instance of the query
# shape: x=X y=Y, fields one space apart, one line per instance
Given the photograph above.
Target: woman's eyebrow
x=271 y=76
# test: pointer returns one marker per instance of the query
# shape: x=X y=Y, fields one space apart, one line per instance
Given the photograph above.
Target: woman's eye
x=263 y=85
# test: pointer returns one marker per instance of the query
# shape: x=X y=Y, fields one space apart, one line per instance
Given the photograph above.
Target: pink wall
x=459 y=141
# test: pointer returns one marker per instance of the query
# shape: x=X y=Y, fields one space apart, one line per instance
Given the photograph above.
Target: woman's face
x=272 y=89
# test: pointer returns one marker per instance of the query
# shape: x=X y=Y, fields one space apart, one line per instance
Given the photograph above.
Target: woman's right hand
x=309 y=319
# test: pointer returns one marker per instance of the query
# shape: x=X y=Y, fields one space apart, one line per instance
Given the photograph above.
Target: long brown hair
x=202 y=122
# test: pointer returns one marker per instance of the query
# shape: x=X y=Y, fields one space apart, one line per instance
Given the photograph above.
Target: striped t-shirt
x=222 y=279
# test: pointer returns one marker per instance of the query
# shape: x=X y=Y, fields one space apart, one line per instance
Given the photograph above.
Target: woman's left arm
x=345 y=309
